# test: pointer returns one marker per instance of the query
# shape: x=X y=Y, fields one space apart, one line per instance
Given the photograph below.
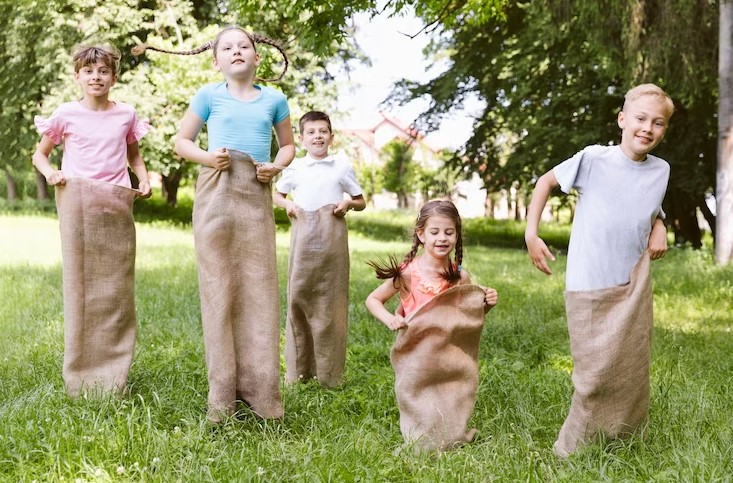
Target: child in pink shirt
x=94 y=205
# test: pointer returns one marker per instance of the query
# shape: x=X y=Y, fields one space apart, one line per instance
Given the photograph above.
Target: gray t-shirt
x=618 y=200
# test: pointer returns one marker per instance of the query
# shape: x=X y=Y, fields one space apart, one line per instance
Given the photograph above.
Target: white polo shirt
x=318 y=182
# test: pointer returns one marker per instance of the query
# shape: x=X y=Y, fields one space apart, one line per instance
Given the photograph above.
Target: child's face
x=96 y=80
x=643 y=123
x=235 y=56
x=439 y=236
x=316 y=138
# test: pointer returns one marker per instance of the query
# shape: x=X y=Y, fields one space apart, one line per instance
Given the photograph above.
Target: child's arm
x=186 y=148
x=40 y=161
x=375 y=304
x=538 y=251
x=356 y=203
x=284 y=156
x=135 y=160
x=657 y=240
x=288 y=205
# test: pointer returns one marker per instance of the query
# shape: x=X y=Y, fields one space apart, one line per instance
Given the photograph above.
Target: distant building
x=369 y=141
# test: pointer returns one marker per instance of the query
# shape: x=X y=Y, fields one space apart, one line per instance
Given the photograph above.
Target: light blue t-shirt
x=618 y=200
x=242 y=125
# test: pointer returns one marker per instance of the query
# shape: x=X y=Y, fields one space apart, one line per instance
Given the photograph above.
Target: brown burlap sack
x=318 y=297
x=234 y=234
x=435 y=360
x=98 y=259
x=610 y=342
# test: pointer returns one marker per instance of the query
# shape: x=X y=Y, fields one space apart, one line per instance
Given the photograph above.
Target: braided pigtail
x=211 y=45
x=141 y=48
x=391 y=268
x=454 y=275
x=261 y=39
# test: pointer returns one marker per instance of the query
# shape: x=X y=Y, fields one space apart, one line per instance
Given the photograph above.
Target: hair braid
x=272 y=43
x=211 y=45
x=413 y=251
x=141 y=48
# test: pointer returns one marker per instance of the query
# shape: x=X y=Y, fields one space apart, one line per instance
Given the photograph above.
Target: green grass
x=159 y=433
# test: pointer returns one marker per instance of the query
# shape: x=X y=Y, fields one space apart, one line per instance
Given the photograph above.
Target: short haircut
x=649 y=90
x=314 y=116
x=91 y=54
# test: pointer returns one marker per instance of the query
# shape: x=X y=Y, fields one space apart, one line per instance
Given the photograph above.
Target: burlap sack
x=318 y=297
x=610 y=342
x=98 y=259
x=234 y=235
x=435 y=360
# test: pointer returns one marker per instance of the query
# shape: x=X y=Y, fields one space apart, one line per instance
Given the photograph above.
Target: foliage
x=552 y=76
x=158 y=432
x=401 y=172
x=322 y=28
x=36 y=77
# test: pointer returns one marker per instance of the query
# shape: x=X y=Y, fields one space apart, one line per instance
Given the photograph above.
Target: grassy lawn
x=159 y=433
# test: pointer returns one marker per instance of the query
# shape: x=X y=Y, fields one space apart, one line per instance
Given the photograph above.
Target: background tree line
x=550 y=75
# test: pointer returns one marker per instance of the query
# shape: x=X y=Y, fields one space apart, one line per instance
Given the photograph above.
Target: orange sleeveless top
x=421 y=290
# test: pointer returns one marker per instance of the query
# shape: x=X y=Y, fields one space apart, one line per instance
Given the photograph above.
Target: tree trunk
x=12 y=186
x=724 y=187
x=41 y=186
x=683 y=218
x=707 y=214
x=170 y=185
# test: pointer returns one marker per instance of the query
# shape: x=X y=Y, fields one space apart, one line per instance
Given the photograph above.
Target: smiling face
x=643 y=123
x=316 y=137
x=235 y=55
x=439 y=236
x=96 y=79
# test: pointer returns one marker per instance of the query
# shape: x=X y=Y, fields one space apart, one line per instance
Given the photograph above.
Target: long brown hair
x=392 y=268
x=254 y=37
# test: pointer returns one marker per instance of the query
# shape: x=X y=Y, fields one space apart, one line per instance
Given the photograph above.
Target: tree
x=552 y=77
x=724 y=239
x=400 y=171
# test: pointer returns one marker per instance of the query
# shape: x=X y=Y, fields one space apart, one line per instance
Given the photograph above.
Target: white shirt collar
x=309 y=161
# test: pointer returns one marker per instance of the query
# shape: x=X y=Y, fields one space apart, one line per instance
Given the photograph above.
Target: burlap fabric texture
x=234 y=234
x=98 y=260
x=610 y=342
x=318 y=297
x=435 y=359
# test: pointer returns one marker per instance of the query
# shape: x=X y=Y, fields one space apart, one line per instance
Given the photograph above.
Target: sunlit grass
x=158 y=432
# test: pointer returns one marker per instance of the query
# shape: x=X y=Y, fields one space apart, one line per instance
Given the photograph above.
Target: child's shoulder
x=272 y=92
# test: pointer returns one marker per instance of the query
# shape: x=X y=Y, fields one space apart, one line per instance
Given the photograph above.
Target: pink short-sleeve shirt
x=95 y=142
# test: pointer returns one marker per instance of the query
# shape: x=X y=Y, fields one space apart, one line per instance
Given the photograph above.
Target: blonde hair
x=91 y=54
x=651 y=90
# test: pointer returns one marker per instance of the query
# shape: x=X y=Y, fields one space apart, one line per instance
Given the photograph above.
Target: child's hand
x=539 y=253
x=56 y=178
x=342 y=208
x=491 y=298
x=397 y=322
x=219 y=159
x=144 y=189
x=267 y=171
x=657 y=241
x=291 y=209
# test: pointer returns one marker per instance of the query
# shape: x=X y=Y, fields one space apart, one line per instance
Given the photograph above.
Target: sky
x=394 y=56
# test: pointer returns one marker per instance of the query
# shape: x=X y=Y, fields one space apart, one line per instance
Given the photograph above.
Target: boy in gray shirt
x=618 y=227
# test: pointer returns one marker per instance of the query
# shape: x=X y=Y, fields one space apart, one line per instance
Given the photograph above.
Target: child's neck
x=101 y=103
x=242 y=89
x=433 y=265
